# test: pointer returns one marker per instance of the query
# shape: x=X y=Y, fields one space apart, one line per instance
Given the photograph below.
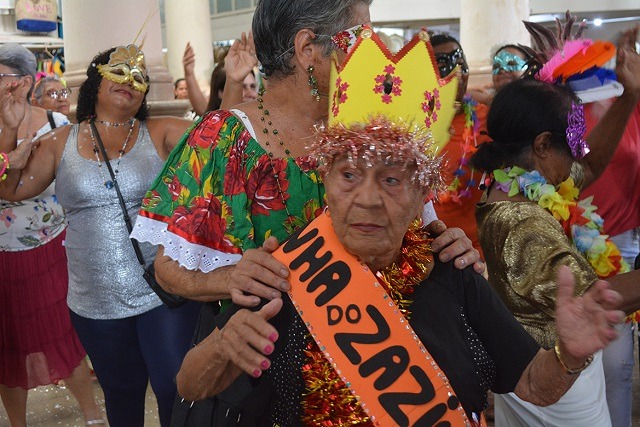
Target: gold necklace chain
x=113 y=124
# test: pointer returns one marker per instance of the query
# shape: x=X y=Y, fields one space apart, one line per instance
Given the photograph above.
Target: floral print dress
x=220 y=194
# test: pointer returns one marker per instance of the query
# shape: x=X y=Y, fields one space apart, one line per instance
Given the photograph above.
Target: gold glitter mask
x=126 y=65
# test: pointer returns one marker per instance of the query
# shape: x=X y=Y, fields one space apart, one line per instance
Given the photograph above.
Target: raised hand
x=241 y=58
x=258 y=274
x=248 y=338
x=13 y=104
x=628 y=60
x=188 y=60
x=585 y=324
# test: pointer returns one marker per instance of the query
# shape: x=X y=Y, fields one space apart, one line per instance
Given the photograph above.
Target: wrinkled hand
x=188 y=60
x=258 y=274
x=248 y=338
x=628 y=60
x=241 y=58
x=585 y=324
x=14 y=104
x=453 y=243
x=19 y=157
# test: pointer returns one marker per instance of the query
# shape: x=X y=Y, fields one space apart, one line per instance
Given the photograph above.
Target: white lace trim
x=189 y=255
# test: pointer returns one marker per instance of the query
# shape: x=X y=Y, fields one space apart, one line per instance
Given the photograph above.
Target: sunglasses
x=55 y=94
x=447 y=62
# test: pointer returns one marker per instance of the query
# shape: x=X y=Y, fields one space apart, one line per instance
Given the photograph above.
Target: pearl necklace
x=96 y=151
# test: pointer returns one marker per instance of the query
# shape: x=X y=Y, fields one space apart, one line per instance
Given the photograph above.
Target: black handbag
x=169 y=299
x=242 y=404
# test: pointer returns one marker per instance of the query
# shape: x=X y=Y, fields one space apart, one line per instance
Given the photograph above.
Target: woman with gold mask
x=130 y=336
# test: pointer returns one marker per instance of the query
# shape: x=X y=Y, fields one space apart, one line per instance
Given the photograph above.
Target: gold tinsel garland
x=328 y=401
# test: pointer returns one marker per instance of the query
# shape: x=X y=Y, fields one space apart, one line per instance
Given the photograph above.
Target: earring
x=313 y=82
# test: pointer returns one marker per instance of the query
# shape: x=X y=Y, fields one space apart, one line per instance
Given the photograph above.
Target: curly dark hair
x=88 y=95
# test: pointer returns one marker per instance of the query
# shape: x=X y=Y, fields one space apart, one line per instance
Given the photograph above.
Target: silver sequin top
x=105 y=278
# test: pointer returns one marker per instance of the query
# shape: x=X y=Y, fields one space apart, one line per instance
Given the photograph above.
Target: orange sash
x=361 y=332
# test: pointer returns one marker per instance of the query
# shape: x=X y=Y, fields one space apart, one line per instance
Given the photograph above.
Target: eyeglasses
x=447 y=62
x=11 y=75
x=55 y=94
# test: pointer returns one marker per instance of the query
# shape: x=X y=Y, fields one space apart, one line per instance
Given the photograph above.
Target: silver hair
x=38 y=89
x=276 y=23
x=21 y=60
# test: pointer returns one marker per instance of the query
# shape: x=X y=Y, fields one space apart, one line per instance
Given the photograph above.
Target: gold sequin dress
x=524 y=245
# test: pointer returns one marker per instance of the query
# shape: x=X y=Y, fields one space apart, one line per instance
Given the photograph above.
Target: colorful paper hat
x=404 y=87
x=565 y=59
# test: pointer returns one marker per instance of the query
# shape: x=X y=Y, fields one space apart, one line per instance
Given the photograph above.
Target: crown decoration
x=405 y=87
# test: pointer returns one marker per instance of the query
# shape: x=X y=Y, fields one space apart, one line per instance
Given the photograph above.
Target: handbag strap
x=52 y=121
x=123 y=206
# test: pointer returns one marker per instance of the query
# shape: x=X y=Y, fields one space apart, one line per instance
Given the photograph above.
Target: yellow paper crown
x=406 y=86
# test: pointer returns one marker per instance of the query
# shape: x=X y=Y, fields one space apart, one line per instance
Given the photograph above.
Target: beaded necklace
x=108 y=183
x=292 y=221
x=459 y=188
x=266 y=121
x=113 y=124
x=327 y=400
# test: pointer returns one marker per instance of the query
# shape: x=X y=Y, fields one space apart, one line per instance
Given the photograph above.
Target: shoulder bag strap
x=123 y=206
x=52 y=122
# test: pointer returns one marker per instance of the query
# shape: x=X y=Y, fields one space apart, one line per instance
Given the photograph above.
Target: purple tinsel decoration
x=575 y=131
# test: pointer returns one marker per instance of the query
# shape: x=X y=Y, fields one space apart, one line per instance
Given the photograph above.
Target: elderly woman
x=130 y=336
x=300 y=350
x=52 y=94
x=241 y=176
x=539 y=163
x=39 y=345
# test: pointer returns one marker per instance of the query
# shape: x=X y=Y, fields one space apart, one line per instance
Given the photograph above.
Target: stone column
x=485 y=24
x=189 y=21
x=92 y=26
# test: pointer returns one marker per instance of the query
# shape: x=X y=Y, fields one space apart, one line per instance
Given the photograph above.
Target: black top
x=457 y=315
